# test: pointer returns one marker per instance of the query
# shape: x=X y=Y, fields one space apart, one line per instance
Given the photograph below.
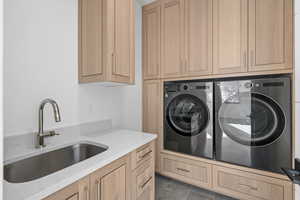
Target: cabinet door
x=76 y=191
x=84 y=189
x=172 y=38
x=90 y=41
x=113 y=185
x=152 y=112
x=270 y=34
x=244 y=185
x=75 y=197
x=143 y=182
x=124 y=36
x=230 y=36
x=151 y=104
x=111 y=182
x=151 y=41
x=198 y=37
x=190 y=171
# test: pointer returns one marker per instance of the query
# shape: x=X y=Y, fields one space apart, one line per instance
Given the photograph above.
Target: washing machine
x=188 y=117
x=253 y=122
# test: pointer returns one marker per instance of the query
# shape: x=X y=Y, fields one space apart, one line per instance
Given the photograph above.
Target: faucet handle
x=53 y=133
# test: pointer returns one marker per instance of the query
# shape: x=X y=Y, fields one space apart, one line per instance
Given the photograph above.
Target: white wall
x=297 y=68
x=41 y=61
x=132 y=95
x=1 y=99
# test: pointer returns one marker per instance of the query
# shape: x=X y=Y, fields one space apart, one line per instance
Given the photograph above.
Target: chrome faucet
x=41 y=134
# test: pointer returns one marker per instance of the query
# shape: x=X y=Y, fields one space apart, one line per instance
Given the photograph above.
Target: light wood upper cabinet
x=151 y=41
x=106 y=41
x=123 y=68
x=217 y=37
x=198 y=37
x=152 y=112
x=172 y=38
x=270 y=35
x=90 y=44
x=230 y=36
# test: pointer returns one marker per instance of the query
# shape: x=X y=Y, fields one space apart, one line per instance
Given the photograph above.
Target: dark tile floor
x=169 y=189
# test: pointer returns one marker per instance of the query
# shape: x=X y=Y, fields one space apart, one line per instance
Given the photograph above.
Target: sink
x=47 y=163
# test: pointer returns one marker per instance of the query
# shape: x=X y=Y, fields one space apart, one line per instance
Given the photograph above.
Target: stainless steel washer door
x=187 y=115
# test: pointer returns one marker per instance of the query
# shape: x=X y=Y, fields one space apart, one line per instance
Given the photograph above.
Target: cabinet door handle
x=245 y=59
x=115 y=63
x=252 y=57
x=98 y=189
x=158 y=91
x=112 y=60
x=186 y=65
x=146 y=182
x=145 y=154
x=249 y=186
x=87 y=194
x=184 y=170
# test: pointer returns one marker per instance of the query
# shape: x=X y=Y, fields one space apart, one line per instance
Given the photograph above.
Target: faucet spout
x=57 y=118
x=54 y=106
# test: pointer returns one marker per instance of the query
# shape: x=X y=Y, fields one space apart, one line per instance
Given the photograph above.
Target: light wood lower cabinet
x=77 y=191
x=142 y=155
x=112 y=182
x=143 y=179
x=248 y=186
x=152 y=113
x=143 y=182
x=113 y=185
x=128 y=178
x=234 y=182
x=189 y=171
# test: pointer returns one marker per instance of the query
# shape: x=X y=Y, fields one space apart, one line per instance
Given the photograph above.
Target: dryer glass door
x=250 y=118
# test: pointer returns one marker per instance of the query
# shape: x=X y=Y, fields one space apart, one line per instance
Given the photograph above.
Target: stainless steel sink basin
x=44 y=164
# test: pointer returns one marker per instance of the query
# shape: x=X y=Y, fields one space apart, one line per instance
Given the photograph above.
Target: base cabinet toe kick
x=128 y=178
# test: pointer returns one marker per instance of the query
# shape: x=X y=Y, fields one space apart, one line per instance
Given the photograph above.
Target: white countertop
x=120 y=143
